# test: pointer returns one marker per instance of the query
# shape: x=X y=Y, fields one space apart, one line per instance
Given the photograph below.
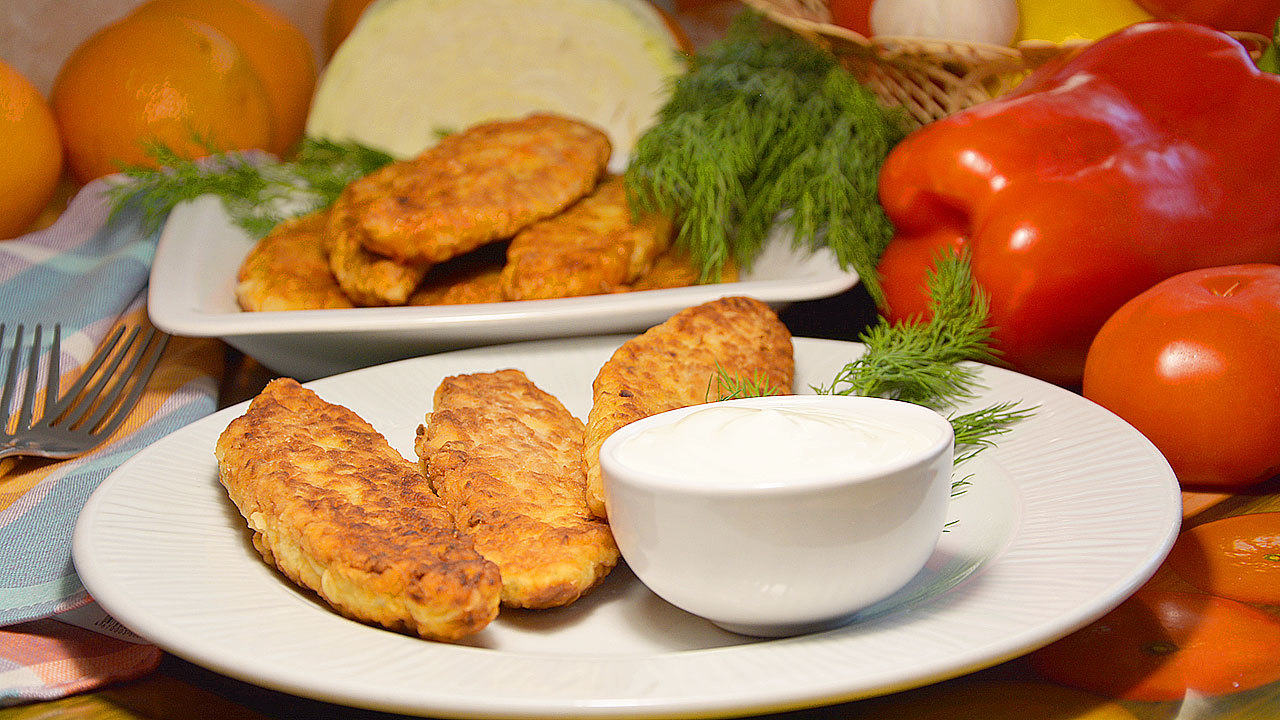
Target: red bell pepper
x=1153 y=151
x=1257 y=16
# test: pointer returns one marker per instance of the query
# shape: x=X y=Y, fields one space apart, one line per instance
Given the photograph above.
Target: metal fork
x=91 y=409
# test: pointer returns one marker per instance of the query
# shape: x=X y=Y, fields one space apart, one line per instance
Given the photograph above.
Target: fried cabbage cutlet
x=679 y=363
x=339 y=511
x=289 y=269
x=367 y=278
x=477 y=285
x=676 y=268
x=480 y=185
x=594 y=247
x=472 y=278
x=506 y=458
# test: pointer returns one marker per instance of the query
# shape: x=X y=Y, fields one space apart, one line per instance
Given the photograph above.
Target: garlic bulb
x=985 y=21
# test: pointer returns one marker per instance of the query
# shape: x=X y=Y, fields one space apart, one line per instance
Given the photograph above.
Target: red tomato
x=1157 y=645
x=852 y=14
x=1193 y=364
x=1252 y=15
x=1237 y=557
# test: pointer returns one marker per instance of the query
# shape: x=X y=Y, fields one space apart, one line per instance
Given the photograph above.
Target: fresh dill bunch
x=921 y=361
x=767 y=128
x=257 y=190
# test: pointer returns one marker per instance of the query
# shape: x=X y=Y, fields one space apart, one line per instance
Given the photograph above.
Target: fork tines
x=111 y=384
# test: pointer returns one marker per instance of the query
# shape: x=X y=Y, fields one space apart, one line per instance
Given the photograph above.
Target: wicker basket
x=928 y=78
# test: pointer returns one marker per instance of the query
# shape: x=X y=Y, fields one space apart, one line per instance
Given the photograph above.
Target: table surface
x=177 y=686
x=1010 y=691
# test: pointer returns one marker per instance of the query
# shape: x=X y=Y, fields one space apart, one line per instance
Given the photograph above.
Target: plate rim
x=1117 y=589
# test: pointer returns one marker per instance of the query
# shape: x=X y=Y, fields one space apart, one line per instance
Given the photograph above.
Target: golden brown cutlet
x=679 y=363
x=366 y=278
x=596 y=246
x=676 y=268
x=506 y=458
x=288 y=269
x=477 y=186
x=339 y=511
x=475 y=277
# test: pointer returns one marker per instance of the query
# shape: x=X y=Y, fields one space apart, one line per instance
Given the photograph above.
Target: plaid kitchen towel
x=89 y=276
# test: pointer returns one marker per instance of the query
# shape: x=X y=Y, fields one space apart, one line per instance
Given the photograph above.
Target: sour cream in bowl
x=779 y=515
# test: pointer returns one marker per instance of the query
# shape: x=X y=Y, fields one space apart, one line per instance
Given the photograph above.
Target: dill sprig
x=257 y=190
x=924 y=361
x=765 y=127
x=920 y=361
x=975 y=431
x=733 y=386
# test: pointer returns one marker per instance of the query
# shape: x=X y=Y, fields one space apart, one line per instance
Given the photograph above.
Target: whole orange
x=156 y=78
x=1235 y=557
x=338 y=21
x=31 y=150
x=274 y=46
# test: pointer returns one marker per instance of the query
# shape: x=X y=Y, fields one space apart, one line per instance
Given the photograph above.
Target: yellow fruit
x=31 y=150
x=275 y=47
x=1058 y=21
x=162 y=78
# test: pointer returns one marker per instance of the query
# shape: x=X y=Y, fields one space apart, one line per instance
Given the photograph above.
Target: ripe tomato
x=1157 y=645
x=1236 y=557
x=1192 y=364
x=1253 y=15
x=852 y=14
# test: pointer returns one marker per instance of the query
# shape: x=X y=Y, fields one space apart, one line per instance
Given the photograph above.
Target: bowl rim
x=612 y=467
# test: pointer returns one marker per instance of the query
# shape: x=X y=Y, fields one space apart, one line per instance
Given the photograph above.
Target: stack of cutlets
x=408 y=234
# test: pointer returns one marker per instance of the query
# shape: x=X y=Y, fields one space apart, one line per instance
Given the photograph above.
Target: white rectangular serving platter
x=192 y=294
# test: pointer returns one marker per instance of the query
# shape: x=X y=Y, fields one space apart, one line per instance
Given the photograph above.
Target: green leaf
x=1270 y=59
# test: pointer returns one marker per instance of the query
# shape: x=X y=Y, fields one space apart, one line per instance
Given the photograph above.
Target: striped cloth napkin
x=88 y=276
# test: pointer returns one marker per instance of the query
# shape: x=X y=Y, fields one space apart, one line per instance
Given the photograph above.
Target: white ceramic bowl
x=796 y=553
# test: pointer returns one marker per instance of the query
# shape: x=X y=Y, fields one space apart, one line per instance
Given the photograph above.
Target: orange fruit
x=338 y=21
x=31 y=150
x=156 y=77
x=275 y=47
x=1235 y=557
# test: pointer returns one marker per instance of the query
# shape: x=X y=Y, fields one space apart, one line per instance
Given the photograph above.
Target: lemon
x=1058 y=21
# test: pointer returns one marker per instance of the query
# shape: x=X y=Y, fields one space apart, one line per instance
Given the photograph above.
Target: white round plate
x=1063 y=519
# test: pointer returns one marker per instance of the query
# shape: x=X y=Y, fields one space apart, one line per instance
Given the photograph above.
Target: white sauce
x=729 y=445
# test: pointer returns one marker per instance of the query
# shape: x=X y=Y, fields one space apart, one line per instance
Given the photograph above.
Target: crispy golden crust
x=479 y=285
x=366 y=278
x=477 y=186
x=472 y=278
x=676 y=268
x=592 y=248
x=289 y=270
x=339 y=511
x=506 y=458
x=677 y=363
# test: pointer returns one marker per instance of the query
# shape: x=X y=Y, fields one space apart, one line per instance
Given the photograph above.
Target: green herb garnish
x=923 y=361
x=766 y=127
x=258 y=191
x=919 y=361
x=732 y=387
